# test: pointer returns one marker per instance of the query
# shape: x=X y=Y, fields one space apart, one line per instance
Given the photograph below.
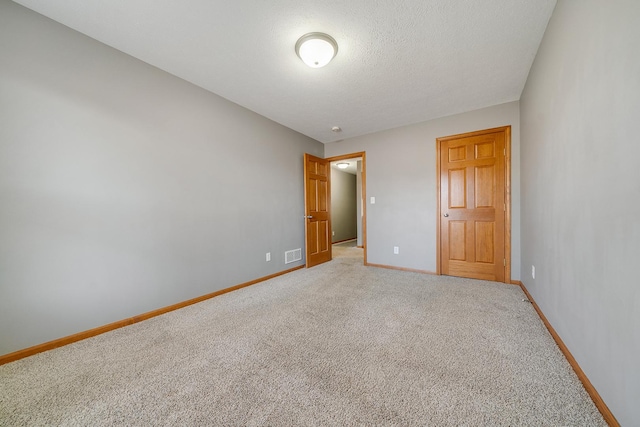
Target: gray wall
x=401 y=175
x=343 y=205
x=124 y=189
x=581 y=191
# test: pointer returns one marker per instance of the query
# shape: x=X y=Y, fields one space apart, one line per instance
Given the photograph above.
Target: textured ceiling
x=399 y=62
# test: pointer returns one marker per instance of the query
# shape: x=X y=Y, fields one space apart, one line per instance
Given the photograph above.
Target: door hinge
x=504 y=151
x=504 y=207
x=504 y=262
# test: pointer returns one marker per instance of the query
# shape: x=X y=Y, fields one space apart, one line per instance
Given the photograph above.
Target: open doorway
x=348 y=210
x=317 y=201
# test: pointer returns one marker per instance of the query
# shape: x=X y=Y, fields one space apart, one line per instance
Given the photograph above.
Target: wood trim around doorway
x=507 y=219
x=363 y=155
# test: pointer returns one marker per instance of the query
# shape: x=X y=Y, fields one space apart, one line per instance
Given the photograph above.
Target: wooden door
x=473 y=205
x=317 y=200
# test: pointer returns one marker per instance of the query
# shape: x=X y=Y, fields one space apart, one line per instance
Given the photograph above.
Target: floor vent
x=292 y=256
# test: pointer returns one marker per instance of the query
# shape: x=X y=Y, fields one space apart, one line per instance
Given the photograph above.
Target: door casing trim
x=507 y=195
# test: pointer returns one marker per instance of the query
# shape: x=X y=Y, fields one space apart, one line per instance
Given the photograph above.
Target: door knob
x=445 y=215
x=309 y=216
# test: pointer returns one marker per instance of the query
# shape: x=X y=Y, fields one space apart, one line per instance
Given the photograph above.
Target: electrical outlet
x=533 y=271
x=396 y=250
x=268 y=257
x=333 y=233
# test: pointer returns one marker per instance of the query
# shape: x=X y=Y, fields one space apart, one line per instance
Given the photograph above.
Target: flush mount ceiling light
x=342 y=165
x=316 y=49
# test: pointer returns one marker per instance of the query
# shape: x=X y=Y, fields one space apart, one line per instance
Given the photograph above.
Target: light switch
x=373 y=200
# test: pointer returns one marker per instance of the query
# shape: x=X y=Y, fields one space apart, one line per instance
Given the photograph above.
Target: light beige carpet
x=338 y=344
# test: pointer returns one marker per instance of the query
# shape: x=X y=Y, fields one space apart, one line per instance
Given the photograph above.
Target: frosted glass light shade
x=316 y=49
x=342 y=165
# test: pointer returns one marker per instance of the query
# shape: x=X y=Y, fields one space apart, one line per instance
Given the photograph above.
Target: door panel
x=317 y=209
x=485 y=150
x=485 y=186
x=457 y=154
x=484 y=234
x=458 y=185
x=472 y=170
x=457 y=239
